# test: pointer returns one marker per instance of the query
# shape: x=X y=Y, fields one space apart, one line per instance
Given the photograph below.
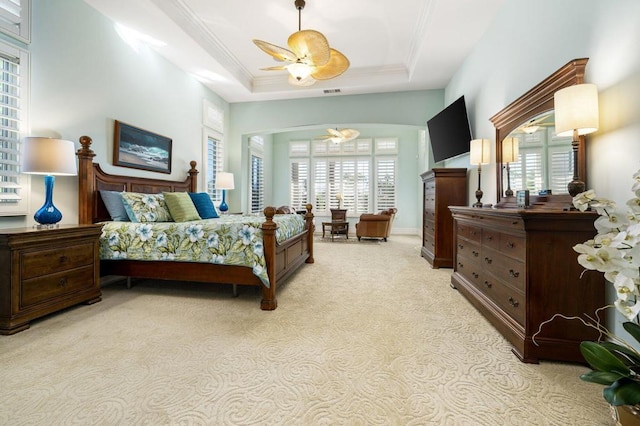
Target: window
x=15 y=19
x=13 y=95
x=256 y=168
x=213 y=121
x=213 y=166
x=346 y=169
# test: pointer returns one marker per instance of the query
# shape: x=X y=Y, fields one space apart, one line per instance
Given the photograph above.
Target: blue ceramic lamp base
x=48 y=215
x=223 y=205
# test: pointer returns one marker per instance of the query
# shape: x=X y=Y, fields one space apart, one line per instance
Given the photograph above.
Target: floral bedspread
x=229 y=240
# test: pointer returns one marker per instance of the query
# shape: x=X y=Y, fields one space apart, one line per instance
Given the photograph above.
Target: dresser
x=44 y=271
x=518 y=268
x=441 y=188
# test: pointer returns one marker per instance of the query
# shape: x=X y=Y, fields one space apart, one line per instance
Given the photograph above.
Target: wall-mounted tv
x=449 y=131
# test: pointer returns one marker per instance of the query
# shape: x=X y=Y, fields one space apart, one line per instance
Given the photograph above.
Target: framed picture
x=141 y=149
x=522 y=199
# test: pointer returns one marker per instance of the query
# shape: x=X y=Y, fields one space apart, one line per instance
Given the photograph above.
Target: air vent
x=331 y=91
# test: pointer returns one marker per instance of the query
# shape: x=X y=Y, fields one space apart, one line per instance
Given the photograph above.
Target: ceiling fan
x=309 y=56
x=340 y=136
x=534 y=124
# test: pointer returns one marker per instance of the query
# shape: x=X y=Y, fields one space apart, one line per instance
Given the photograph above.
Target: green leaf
x=633 y=329
x=626 y=355
x=600 y=359
x=601 y=377
x=623 y=392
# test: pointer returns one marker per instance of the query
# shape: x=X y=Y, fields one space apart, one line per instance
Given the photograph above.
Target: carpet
x=367 y=335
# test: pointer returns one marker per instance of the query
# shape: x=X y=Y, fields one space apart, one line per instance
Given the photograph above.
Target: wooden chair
x=376 y=225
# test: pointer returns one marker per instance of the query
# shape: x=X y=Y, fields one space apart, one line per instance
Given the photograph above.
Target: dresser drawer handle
x=514 y=223
x=513 y=302
x=514 y=274
x=460 y=265
x=63 y=259
x=62 y=283
x=510 y=244
x=475 y=253
x=490 y=237
x=488 y=284
x=475 y=275
x=488 y=260
x=460 y=246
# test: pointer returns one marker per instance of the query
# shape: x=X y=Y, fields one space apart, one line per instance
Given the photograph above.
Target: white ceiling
x=393 y=45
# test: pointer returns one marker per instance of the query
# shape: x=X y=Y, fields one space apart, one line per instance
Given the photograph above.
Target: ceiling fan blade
x=338 y=63
x=280 y=53
x=310 y=46
x=334 y=132
x=349 y=134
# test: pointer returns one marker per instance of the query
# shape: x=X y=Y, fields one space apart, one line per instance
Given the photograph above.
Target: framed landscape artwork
x=141 y=149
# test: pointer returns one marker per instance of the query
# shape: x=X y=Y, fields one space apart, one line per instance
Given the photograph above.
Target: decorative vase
x=627 y=415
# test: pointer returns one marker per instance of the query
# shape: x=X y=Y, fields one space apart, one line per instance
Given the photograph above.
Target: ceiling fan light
x=299 y=70
x=309 y=81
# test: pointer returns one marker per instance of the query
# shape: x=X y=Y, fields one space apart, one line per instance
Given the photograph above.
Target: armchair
x=375 y=225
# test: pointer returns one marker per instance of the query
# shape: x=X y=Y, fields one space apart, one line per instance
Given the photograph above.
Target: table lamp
x=509 y=155
x=224 y=181
x=49 y=157
x=576 y=109
x=479 y=155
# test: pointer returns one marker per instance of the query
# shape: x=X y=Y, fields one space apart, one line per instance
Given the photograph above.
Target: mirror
x=541 y=145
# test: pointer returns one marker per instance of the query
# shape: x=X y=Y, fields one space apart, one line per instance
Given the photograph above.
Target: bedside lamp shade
x=49 y=157
x=224 y=181
x=480 y=151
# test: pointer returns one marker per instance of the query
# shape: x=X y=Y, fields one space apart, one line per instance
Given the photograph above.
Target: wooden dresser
x=43 y=271
x=441 y=188
x=518 y=268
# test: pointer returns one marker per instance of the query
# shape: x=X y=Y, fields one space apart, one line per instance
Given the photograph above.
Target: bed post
x=269 y=302
x=193 y=175
x=308 y=217
x=86 y=190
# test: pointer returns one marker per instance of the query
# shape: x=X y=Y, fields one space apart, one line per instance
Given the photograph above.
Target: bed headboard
x=91 y=179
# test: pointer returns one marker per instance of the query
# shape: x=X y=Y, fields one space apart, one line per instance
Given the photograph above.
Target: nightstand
x=45 y=270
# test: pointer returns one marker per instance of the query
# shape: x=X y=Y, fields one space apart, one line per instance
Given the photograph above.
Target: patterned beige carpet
x=368 y=335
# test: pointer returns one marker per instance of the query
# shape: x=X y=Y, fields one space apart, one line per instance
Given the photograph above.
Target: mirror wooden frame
x=534 y=102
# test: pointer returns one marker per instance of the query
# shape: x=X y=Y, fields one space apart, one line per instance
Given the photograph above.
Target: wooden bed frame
x=281 y=260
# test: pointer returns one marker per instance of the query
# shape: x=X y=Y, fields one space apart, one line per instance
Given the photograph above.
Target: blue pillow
x=203 y=204
x=115 y=206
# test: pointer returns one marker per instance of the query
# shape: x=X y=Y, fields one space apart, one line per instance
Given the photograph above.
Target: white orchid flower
x=582 y=200
x=625 y=287
x=627 y=308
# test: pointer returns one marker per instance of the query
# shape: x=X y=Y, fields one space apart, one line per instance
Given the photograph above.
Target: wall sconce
x=576 y=109
x=480 y=154
x=49 y=157
x=224 y=181
x=509 y=155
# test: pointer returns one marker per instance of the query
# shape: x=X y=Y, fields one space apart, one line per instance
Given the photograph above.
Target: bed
x=281 y=259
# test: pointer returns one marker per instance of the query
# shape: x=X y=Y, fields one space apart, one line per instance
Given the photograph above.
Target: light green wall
x=83 y=76
x=531 y=39
x=390 y=114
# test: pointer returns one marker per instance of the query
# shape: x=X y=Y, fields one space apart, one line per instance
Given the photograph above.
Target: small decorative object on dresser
x=442 y=188
x=43 y=271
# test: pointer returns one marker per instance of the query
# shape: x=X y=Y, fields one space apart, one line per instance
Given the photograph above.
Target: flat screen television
x=449 y=131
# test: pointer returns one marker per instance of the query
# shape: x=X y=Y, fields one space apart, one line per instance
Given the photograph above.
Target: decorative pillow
x=203 y=204
x=115 y=206
x=146 y=207
x=180 y=206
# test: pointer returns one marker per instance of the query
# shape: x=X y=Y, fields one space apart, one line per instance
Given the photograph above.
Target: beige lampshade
x=48 y=156
x=224 y=180
x=480 y=151
x=576 y=108
x=510 y=150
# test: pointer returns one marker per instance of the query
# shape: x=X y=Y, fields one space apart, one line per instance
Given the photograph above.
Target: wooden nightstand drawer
x=41 y=289
x=38 y=263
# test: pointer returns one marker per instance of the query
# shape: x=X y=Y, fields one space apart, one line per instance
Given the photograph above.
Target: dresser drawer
x=428 y=241
x=490 y=238
x=469 y=232
x=44 y=262
x=469 y=250
x=513 y=246
x=509 y=300
x=41 y=289
x=508 y=270
x=469 y=269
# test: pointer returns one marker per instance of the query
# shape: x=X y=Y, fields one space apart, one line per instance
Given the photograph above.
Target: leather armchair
x=376 y=225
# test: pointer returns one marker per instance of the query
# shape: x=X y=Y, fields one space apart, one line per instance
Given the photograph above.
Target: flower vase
x=627 y=415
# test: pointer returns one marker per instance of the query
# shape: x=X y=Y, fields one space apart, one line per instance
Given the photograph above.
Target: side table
x=336 y=227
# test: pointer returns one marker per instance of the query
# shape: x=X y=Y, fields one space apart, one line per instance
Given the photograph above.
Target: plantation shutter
x=257 y=184
x=15 y=19
x=560 y=169
x=299 y=189
x=10 y=116
x=214 y=165
x=320 y=183
x=386 y=183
